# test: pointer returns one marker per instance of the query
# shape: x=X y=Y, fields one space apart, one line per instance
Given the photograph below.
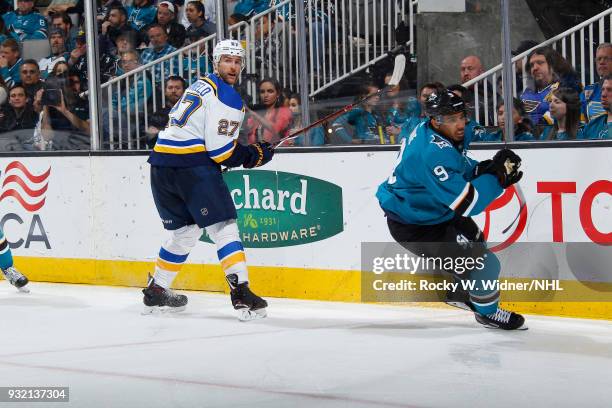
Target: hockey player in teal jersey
x=434 y=191
x=11 y=274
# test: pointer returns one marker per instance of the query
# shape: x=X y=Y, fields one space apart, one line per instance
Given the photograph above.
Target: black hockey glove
x=505 y=166
x=259 y=154
x=483 y=167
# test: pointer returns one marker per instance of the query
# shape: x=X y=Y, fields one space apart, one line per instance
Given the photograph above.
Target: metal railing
x=580 y=52
x=343 y=37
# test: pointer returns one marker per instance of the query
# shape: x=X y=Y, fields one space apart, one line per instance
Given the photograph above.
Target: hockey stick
x=398 y=71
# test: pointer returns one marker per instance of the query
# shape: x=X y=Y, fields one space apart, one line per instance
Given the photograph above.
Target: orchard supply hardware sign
x=278 y=209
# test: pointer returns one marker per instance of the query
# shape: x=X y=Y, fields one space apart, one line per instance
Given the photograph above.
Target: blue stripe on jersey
x=170 y=257
x=230 y=249
x=190 y=142
x=221 y=150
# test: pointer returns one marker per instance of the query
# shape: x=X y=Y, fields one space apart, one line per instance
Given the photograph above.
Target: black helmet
x=444 y=102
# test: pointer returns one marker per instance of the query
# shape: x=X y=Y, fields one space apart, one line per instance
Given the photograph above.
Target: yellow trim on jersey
x=179 y=150
x=212 y=84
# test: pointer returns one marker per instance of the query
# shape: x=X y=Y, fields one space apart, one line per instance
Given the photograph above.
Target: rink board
x=91 y=219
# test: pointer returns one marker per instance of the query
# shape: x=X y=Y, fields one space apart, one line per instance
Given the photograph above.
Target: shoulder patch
x=440 y=142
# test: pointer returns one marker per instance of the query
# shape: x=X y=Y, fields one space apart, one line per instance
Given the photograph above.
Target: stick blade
x=398 y=69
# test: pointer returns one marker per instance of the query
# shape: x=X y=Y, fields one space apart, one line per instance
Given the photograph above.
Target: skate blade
x=24 y=289
x=492 y=327
x=459 y=305
x=160 y=310
x=246 y=315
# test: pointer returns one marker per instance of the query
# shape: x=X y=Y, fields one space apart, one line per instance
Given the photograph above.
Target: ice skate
x=249 y=305
x=16 y=278
x=161 y=300
x=502 y=319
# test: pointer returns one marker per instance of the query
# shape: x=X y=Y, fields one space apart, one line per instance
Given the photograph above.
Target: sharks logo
x=441 y=143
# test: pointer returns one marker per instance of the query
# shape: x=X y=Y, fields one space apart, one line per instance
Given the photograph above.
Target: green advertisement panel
x=278 y=209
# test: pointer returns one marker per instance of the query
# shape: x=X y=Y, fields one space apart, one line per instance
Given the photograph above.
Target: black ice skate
x=160 y=300
x=502 y=319
x=16 y=278
x=249 y=305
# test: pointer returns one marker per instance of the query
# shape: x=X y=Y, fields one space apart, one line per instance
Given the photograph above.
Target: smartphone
x=52 y=97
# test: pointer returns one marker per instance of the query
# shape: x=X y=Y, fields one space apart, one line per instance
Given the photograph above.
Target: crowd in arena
x=553 y=106
x=44 y=105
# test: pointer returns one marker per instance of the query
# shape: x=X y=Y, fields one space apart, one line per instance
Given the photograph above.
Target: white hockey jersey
x=202 y=127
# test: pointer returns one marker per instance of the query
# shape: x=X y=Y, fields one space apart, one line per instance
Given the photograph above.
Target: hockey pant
x=457 y=238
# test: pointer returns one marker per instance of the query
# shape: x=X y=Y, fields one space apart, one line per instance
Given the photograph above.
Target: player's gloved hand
x=505 y=166
x=484 y=167
x=260 y=154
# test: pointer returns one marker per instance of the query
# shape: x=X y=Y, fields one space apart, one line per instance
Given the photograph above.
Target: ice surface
x=305 y=354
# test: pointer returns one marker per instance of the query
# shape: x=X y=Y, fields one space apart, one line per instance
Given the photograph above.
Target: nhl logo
x=204 y=211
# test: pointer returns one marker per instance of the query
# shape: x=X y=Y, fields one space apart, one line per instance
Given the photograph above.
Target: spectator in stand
x=196 y=15
x=65 y=120
x=130 y=61
x=211 y=12
x=117 y=24
x=78 y=56
x=548 y=70
x=166 y=18
x=565 y=113
x=471 y=67
x=274 y=123
x=10 y=61
x=522 y=127
x=124 y=42
x=591 y=97
x=25 y=23
x=3 y=91
x=30 y=78
x=315 y=137
x=58 y=52
x=365 y=122
x=601 y=126
x=141 y=13
x=18 y=115
x=175 y=87
x=160 y=48
x=64 y=23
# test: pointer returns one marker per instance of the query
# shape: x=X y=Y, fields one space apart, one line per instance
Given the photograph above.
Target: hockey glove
x=259 y=154
x=483 y=167
x=505 y=165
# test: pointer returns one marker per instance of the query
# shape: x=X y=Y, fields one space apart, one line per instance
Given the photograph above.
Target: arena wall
x=304 y=218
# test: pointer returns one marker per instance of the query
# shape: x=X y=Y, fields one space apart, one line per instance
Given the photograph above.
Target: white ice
x=305 y=354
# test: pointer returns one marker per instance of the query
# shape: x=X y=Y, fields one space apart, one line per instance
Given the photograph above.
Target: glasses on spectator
x=129 y=61
x=603 y=59
x=75 y=81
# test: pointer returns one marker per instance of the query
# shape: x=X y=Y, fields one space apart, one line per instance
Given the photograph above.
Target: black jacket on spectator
x=108 y=67
x=10 y=119
x=17 y=128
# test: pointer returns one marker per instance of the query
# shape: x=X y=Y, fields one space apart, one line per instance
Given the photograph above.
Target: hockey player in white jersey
x=188 y=188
